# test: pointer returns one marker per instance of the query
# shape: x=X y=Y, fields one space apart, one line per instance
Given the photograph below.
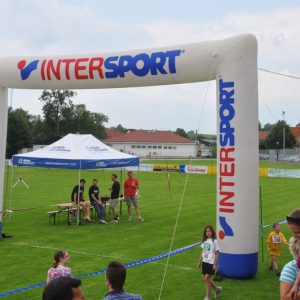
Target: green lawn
x=26 y=257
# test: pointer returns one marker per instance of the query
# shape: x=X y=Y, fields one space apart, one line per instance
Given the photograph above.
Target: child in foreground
x=59 y=269
x=275 y=240
x=209 y=260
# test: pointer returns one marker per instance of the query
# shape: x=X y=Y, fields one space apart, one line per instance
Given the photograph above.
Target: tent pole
x=11 y=189
x=121 y=188
x=3 y=137
x=78 y=193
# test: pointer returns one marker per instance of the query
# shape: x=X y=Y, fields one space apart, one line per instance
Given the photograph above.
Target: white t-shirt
x=209 y=247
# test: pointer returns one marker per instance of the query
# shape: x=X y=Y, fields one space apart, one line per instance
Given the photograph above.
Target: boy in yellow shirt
x=275 y=239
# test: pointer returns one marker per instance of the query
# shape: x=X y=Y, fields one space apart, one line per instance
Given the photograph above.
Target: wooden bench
x=52 y=215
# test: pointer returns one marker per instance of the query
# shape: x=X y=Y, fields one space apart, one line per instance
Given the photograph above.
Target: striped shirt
x=289 y=272
x=121 y=295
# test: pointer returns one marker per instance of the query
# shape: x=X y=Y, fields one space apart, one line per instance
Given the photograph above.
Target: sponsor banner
x=263 y=172
x=286 y=173
x=166 y=167
x=140 y=168
x=212 y=170
x=193 y=169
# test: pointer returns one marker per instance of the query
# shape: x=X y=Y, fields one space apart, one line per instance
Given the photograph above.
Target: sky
x=49 y=27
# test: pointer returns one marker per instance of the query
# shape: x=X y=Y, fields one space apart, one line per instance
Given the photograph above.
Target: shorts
x=207 y=268
x=132 y=199
x=113 y=203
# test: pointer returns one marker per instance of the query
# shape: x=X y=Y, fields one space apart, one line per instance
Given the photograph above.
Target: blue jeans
x=100 y=209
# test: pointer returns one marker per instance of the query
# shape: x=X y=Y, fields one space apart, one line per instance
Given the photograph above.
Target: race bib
x=206 y=247
x=276 y=239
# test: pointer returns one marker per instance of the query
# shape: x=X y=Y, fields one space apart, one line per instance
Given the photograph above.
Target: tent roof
x=76 y=151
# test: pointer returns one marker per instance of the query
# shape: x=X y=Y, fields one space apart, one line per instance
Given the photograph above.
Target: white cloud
x=53 y=27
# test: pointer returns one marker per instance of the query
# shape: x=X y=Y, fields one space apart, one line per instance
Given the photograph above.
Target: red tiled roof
x=263 y=134
x=150 y=136
x=295 y=131
x=112 y=133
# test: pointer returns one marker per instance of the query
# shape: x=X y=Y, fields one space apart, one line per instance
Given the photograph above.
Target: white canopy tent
x=75 y=151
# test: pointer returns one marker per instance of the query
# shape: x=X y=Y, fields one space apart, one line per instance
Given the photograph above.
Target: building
x=295 y=132
x=153 y=144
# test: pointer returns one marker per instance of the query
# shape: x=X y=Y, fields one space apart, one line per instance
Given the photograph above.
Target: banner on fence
x=193 y=169
x=286 y=173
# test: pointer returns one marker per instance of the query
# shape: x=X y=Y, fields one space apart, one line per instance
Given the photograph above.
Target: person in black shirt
x=84 y=204
x=96 y=201
x=114 y=196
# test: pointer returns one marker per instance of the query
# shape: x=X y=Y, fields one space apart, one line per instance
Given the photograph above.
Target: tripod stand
x=21 y=182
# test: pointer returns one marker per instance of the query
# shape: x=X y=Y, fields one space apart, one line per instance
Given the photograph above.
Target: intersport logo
x=100 y=68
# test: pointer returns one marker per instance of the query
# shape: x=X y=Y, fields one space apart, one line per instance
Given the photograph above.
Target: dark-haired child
x=209 y=260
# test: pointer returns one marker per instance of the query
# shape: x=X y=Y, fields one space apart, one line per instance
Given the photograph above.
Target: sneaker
x=277 y=273
x=218 y=291
x=103 y=222
x=206 y=298
x=129 y=218
x=140 y=218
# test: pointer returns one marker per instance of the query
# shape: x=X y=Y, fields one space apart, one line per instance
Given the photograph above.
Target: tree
x=275 y=137
x=63 y=117
x=56 y=103
x=267 y=127
x=181 y=132
x=19 y=131
x=121 y=128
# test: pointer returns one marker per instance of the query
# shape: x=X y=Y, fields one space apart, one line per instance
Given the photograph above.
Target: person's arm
x=48 y=278
x=200 y=261
x=295 y=288
x=75 y=197
x=284 y=241
x=216 y=260
x=285 y=289
x=136 y=185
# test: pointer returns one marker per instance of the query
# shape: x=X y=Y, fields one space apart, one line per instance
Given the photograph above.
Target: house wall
x=156 y=149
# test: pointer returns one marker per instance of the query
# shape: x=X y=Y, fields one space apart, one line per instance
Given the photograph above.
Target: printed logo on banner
x=100 y=68
x=25 y=71
x=226 y=193
x=59 y=149
x=95 y=149
x=25 y=161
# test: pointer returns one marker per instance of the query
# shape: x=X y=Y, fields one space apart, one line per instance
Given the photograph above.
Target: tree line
x=60 y=117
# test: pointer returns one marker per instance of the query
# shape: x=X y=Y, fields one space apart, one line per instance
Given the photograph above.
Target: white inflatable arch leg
x=235 y=70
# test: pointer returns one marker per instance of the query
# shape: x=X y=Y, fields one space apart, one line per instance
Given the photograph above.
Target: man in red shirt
x=131 y=195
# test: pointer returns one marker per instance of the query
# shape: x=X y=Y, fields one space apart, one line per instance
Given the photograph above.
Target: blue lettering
x=172 y=55
x=109 y=65
x=226 y=113
x=141 y=64
x=146 y=64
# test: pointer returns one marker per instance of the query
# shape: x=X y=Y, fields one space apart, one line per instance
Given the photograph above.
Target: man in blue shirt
x=115 y=279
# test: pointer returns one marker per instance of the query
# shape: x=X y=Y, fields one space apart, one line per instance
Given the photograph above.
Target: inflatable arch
x=232 y=62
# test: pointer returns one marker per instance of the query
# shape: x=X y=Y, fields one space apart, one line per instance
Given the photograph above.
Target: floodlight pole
x=283 y=135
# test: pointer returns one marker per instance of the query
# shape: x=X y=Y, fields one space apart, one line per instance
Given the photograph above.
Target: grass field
x=27 y=257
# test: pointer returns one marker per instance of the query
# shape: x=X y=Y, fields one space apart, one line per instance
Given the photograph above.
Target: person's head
x=115 y=276
x=276 y=227
x=64 y=288
x=60 y=257
x=95 y=182
x=114 y=177
x=130 y=174
x=294 y=246
x=82 y=182
x=209 y=232
x=294 y=222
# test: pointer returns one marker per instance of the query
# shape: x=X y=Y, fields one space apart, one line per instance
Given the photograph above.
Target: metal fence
x=280 y=155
